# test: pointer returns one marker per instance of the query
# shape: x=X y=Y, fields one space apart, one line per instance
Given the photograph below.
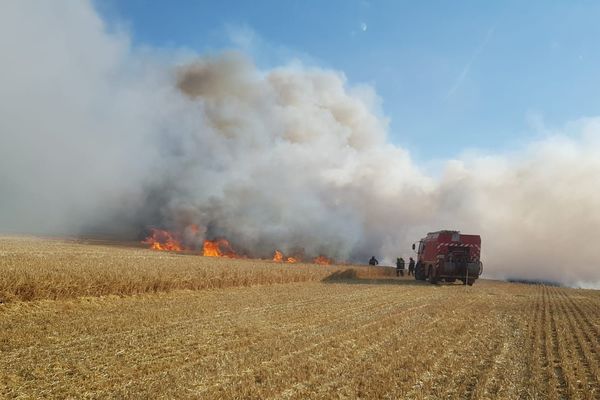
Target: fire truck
x=448 y=256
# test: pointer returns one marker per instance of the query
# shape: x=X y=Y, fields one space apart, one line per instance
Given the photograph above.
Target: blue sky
x=452 y=75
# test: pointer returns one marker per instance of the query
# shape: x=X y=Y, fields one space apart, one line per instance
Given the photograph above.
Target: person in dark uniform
x=399 y=266
x=411 y=267
x=373 y=261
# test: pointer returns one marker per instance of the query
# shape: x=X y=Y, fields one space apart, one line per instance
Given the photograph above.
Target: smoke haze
x=100 y=136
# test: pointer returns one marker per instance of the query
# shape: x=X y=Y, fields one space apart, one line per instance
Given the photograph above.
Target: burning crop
x=278 y=256
x=164 y=240
x=322 y=260
x=218 y=248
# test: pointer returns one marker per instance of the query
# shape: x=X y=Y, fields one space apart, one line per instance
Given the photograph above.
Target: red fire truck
x=448 y=256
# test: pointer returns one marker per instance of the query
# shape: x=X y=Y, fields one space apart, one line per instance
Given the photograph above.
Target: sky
x=453 y=77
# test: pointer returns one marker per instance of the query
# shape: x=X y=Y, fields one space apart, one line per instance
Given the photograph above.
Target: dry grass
x=36 y=269
x=348 y=338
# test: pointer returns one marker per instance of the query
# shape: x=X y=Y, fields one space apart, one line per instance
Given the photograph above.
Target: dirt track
x=369 y=339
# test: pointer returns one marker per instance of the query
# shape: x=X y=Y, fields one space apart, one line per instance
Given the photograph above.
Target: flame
x=210 y=248
x=163 y=240
x=323 y=260
x=278 y=256
x=218 y=248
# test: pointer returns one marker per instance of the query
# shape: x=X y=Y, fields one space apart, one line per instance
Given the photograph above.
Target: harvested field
x=346 y=336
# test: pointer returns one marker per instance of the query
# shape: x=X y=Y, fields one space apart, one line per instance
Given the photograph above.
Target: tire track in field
x=354 y=300
x=545 y=341
x=537 y=348
x=593 y=331
x=475 y=379
x=183 y=320
x=250 y=371
x=437 y=374
x=583 y=343
x=124 y=338
x=207 y=319
x=380 y=344
x=337 y=373
x=507 y=376
x=322 y=324
x=559 y=383
x=486 y=381
x=474 y=384
x=585 y=312
x=469 y=330
x=319 y=342
x=382 y=302
x=573 y=366
x=141 y=332
x=354 y=329
x=544 y=353
x=580 y=345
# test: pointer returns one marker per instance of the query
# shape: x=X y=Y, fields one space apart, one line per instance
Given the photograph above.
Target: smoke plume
x=98 y=136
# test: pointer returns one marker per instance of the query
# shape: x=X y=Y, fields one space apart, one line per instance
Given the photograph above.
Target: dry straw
x=35 y=269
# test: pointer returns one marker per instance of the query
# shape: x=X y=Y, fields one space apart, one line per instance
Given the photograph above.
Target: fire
x=163 y=240
x=210 y=248
x=160 y=239
x=278 y=256
x=323 y=260
x=218 y=248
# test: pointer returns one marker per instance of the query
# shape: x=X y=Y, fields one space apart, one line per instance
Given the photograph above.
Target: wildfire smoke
x=292 y=157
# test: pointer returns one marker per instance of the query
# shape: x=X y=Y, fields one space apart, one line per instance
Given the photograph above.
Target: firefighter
x=399 y=266
x=411 y=267
x=373 y=261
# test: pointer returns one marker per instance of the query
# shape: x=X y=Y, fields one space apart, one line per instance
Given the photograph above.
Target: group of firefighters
x=399 y=265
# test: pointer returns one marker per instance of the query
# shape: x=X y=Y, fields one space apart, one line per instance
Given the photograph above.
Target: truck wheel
x=432 y=278
x=419 y=274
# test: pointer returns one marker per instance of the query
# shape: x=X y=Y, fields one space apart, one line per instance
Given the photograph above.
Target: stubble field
x=89 y=321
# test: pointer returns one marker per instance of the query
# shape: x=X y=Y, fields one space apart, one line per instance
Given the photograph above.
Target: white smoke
x=96 y=134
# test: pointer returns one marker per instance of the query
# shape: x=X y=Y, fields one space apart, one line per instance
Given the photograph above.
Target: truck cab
x=448 y=256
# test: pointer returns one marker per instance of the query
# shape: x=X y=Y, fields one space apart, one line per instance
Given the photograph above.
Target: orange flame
x=163 y=240
x=322 y=260
x=210 y=248
x=278 y=256
x=218 y=248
